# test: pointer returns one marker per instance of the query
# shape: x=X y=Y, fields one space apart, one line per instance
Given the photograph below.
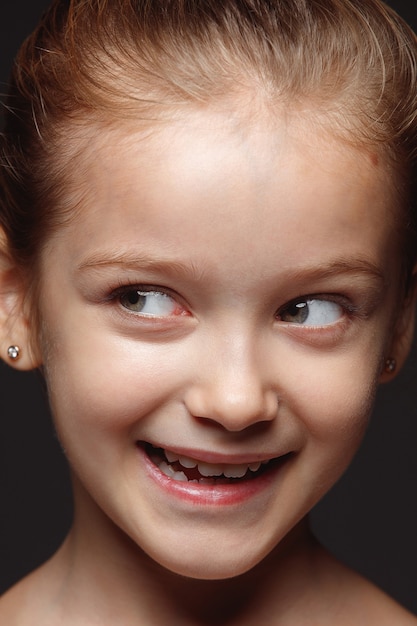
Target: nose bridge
x=231 y=385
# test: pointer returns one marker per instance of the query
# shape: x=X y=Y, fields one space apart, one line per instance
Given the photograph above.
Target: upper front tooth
x=207 y=469
x=171 y=456
x=235 y=471
x=186 y=461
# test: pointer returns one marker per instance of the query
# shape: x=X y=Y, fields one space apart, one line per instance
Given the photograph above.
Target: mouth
x=185 y=469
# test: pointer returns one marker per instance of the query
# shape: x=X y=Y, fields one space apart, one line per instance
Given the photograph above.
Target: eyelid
x=326 y=336
x=346 y=305
x=125 y=287
x=145 y=289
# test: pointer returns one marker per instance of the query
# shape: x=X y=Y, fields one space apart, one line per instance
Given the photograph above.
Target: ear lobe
x=403 y=333
x=15 y=327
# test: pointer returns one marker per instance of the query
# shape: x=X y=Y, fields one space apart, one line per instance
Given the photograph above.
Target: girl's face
x=215 y=322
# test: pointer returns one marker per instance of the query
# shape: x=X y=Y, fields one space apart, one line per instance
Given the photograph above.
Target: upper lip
x=208 y=456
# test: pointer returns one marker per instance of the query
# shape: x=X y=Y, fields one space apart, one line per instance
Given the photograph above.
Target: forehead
x=219 y=175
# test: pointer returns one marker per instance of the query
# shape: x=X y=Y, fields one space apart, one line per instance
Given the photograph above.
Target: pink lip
x=207 y=456
x=212 y=495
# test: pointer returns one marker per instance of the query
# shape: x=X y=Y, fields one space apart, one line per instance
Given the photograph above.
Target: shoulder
x=29 y=602
x=358 y=602
x=376 y=607
x=14 y=605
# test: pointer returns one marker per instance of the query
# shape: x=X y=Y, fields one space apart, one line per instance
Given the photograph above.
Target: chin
x=210 y=567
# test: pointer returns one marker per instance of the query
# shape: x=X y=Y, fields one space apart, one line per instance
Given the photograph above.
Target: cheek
x=108 y=383
x=100 y=398
x=333 y=409
x=335 y=405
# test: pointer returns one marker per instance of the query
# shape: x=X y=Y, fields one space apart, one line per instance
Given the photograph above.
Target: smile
x=187 y=469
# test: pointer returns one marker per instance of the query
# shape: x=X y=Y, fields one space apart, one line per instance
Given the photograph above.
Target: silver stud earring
x=13 y=352
x=390 y=365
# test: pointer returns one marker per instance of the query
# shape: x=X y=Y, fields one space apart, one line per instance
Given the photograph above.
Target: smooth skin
x=229 y=292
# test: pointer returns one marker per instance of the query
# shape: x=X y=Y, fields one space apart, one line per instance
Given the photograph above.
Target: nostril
x=252 y=428
x=234 y=404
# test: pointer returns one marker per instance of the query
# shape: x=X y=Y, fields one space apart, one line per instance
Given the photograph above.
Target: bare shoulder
x=17 y=604
x=359 y=602
x=31 y=601
x=379 y=609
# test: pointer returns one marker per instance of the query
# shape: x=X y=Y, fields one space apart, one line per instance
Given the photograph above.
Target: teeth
x=208 y=471
x=187 y=462
x=168 y=471
x=235 y=471
x=171 y=456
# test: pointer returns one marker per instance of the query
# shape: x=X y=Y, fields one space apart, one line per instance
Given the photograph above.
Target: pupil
x=133 y=300
x=297 y=313
x=133 y=297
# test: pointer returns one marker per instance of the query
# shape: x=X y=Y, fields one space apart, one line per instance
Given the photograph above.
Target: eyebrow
x=356 y=266
x=136 y=261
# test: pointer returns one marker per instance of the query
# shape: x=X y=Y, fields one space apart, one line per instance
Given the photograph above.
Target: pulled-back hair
x=99 y=61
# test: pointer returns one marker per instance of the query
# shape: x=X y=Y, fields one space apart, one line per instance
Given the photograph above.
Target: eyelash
x=128 y=288
x=348 y=310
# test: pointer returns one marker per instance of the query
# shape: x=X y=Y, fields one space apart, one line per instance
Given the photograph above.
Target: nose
x=231 y=386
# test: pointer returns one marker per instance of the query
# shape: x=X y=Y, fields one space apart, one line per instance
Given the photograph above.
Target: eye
x=150 y=303
x=311 y=312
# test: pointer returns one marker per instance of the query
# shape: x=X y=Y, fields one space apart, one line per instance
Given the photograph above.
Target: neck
x=103 y=568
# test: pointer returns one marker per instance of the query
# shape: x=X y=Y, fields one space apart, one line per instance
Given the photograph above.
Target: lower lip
x=226 y=494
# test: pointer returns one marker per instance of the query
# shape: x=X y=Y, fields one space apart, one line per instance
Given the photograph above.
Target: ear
x=403 y=332
x=15 y=326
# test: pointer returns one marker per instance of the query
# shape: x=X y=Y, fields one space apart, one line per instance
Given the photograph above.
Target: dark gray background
x=369 y=519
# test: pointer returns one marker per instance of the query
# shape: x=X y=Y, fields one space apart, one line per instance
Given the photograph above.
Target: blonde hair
x=98 y=60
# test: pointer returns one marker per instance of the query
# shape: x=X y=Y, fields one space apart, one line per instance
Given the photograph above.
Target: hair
x=95 y=62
